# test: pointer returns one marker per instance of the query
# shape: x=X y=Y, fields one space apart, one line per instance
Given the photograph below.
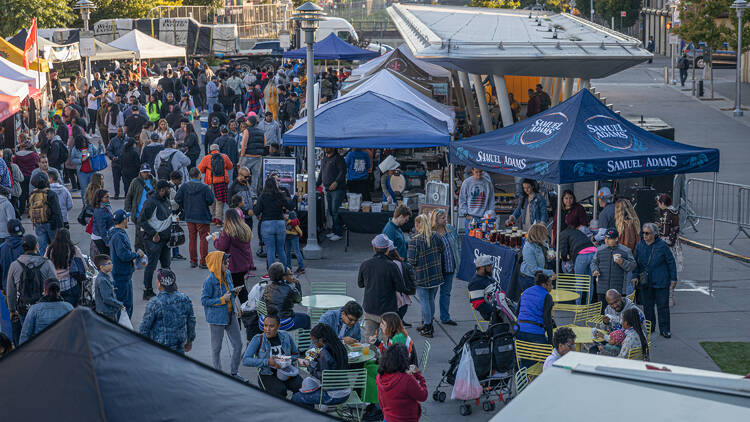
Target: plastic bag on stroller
x=467 y=385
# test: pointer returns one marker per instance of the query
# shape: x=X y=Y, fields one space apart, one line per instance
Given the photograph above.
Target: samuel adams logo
x=543 y=130
x=610 y=135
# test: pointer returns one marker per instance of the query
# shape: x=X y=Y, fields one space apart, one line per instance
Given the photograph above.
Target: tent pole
x=713 y=238
x=484 y=109
x=557 y=229
x=451 y=195
x=595 y=201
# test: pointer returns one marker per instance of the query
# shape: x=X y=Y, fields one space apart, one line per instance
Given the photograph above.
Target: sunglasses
x=647 y=233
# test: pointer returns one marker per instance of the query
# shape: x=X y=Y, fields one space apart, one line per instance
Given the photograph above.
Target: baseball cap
x=381 y=241
x=214 y=147
x=134 y=108
x=119 y=216
x=15 y=227
x=295 y=80
x=224 y=129
x=145 y=168
x=483 y=261
x=167 y=279
x=611 y=234
x=239 y=114
x=154 y=136
x=604 y=193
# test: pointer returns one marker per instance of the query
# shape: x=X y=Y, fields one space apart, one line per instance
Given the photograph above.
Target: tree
x=698 y=24
x=732 y=30
x=18 y=14
x=496 y=4
x=608 y=9
x=120 y=9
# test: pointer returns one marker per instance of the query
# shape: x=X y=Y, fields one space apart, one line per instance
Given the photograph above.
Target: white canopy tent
x=387 y=83
x=18 y=73
x=146 y=47
x=14 y=88
x=107 y=52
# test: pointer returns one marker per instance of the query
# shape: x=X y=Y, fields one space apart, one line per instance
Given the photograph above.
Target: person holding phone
x=217 y=298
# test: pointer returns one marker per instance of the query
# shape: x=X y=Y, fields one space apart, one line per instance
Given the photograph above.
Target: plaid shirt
x=450 y=252
x=427 y=260
x=169 y=320
x=253 y=104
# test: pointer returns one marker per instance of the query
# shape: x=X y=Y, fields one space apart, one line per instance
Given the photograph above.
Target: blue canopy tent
x=388 y=123
x=580 y=140
x=332 y=48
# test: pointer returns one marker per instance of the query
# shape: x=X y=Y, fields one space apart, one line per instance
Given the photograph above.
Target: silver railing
x=732 y=203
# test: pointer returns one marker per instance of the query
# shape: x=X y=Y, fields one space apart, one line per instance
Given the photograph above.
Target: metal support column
x=556 y=91
x=567 y=88
x=484 y=110
x=502 y=99
x=464 y=78
x=713 y=238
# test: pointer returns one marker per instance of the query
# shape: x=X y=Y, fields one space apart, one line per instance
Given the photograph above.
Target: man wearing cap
x=481 y=280
x=11 y=248
x=611 y=264
x=229 y=147
x=271 y=129
x=44 y=313
x=135 y=121
x=381 y=279
x=31 y=260
x=136 y=197
x=156 y=222
x=169 y=318
x=122 y=259
x=219 y=182
x=251 y=151
x=607 y=214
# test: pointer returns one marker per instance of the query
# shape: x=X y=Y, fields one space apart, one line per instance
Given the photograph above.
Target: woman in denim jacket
x=263 y=351
x=534 y=256
x=532 y=208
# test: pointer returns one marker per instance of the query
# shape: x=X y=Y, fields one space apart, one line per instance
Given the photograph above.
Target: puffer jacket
x=612 y=275
x=282 y=296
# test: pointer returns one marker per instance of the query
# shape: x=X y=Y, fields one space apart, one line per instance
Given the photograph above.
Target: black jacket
x=272 y=206
x=381 y=279
x=134 y=124
x=571 y=242
x=55 y=219
x=212 y=133
x=191 y=147
x=149 y=154
x=282 y=296
x=130 y=162
x=333 y=169
x=255 y=141
x=195 y=198
x=156 y=205
x=228 y=146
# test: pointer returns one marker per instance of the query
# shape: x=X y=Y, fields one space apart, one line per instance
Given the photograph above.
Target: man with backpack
x=114 y=151
x=26 y=277
x=156 y=223
x=136 y=197
x=228 y=146
x=44 y=211
x=214 y=166
x=58 y=151
x=170 y=160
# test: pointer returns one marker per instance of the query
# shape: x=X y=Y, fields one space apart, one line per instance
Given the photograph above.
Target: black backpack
x=58 y=152
x=30 y=287
x=165 y=168
x=217 y=165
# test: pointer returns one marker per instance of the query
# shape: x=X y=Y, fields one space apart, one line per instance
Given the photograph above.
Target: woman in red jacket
x=400 y=386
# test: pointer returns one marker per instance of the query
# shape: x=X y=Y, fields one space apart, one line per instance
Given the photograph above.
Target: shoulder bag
x=643 y=275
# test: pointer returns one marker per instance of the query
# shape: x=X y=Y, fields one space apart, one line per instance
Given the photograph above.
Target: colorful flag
x=30 y=48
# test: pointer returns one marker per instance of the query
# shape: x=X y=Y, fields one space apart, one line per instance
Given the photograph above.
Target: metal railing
x=732 y=203
x=253 y=20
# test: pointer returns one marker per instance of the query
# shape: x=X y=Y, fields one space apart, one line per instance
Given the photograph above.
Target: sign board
x=87 y=47
x=284 y=41
x=440 y=89
x=503 y=260
x=623 y=14
x=674 y=39
x=286 y=169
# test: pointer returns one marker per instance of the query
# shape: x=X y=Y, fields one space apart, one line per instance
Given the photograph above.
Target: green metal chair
x=260 y=307
x=316 y=313
x=327 y=288
x=425 y=355
x=302 y=338
x=354 y=379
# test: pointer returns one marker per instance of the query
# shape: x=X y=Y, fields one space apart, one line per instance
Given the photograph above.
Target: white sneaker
x=330 y=235
x=334 y=238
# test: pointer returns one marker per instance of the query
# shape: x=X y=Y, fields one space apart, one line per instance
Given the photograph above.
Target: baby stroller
x=494 y=360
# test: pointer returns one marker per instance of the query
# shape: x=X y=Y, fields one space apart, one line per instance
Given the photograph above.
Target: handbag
x=84 y=215
x=643 y=275
x=177 y=237
x=77 y=270
x=98 y=162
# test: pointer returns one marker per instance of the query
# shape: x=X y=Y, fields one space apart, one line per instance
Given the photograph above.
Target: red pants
x=200 y=230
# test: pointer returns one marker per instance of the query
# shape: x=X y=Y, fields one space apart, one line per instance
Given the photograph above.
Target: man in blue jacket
x=11 y=249
x=345 y=322
x=169 y=318
x=196 y=198
x=122 y=259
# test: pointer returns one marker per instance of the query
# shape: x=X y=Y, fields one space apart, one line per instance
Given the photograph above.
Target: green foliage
x=210 y=3
x=17 y=14
x=496 y=4
x=732 y=30
x=698 y=22
x=607 y=9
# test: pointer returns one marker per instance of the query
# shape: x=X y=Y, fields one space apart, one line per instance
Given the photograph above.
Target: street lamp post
x=85 y=7
x=673 y=4
x=740 y=6
x=309 y=15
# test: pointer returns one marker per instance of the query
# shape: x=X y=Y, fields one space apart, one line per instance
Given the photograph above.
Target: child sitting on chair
x=614 y=342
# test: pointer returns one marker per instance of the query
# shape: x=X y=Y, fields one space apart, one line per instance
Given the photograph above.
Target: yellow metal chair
x=647 y=327
x=260 y=307
x=537 y=352
x=476 y=316
x=631 y=296
x=327 y=288
x=586 y=313
x=635 y=354
x=576 y=283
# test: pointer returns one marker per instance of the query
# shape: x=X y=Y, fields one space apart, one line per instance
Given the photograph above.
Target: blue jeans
x=293 y=242
x=445 y=297
x=72 y=295
x=175 y=251
x=44 y=236
x=583 y=266
x=628 y=285
x=83 y=180
x=335 y=198
x=314 y=397
x=124 y=292
x=274 y=236
x=427 y=300
x=524 y=282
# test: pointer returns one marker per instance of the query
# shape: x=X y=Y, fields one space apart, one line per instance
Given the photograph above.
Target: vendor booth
x=146 y=47
x=8 y=106
x=332 y=48
x=579 y=140
x=15 y=55
x=34 y=79
x=14 y=88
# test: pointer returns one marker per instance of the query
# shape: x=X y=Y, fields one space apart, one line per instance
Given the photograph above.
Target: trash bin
x=700 y=88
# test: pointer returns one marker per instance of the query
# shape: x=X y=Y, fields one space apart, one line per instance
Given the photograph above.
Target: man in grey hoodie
x=476 y=197
x=271 y=129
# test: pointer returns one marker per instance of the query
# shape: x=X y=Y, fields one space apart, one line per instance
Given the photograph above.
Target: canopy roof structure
x=387 y=83
x=15 y=55
x=18 y=73
x=70 y=52
x=514 y=42
x=388 y=123
x=146 y=47
x=108 y=52
x=663 y=392
x=348 y=85
x=9 y=106
x=86 y=368
x=13 y=88
x=401 y=60
x=332 y=48
x=580 y=140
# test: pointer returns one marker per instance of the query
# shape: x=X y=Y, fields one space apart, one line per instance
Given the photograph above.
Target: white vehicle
x=339 y=26
x=379 y=48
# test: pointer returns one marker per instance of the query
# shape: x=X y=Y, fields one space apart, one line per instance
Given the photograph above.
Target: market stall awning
x=387 y=83
x=371 y=120
x=18 y=73
x=580 y=140
x=146 y=47
x=15 y=55
x=514 y=42
x=51 y=51
x=8 y=106
x=332 y=48
x=13 y=88
x=107 y=52
x=401 y=60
